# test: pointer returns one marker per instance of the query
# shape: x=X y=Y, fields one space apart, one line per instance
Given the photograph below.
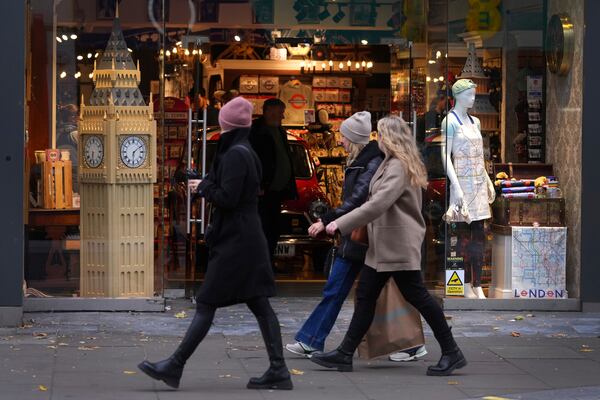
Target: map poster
x=539 y=262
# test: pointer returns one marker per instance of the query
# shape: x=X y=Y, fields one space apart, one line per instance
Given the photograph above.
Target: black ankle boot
x=169 y=371
x=448 y=363
x=277 y=377
x=337 y=358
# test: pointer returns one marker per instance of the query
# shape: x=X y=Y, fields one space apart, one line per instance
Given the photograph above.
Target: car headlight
x=317 y=209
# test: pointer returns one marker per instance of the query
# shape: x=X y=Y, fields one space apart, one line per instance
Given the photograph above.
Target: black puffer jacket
x=357 y=178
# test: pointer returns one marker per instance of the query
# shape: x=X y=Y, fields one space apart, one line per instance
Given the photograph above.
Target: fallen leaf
x=181 y=314
x=295 y=371
x=63 y=344
x=515 y=334
x=519 y=318
x=448 y=317
x=129 y=372
x=496 y=328
x=144 y=340
x=530 y=316
x=51 y=347
x=494 y=398
x=452 y=382
x=42 y=388
x=40 y=335
x=87 y=348
x=586 y=350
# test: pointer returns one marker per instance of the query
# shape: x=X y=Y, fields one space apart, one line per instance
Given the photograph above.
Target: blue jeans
x=316 y=328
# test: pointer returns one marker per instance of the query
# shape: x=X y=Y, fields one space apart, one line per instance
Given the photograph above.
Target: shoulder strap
x=456 y=116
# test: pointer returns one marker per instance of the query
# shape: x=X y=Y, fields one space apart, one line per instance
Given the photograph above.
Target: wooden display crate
x=57 y=184
x=529 y=212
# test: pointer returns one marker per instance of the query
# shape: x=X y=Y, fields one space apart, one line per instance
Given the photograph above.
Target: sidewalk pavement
x=512 y=355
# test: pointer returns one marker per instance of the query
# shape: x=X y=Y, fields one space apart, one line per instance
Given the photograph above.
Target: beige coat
x=395 y=224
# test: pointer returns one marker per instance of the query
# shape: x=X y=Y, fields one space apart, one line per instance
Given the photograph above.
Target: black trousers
x=412 y=288
x=269 y=210
x=202 y=321
x=475 y=234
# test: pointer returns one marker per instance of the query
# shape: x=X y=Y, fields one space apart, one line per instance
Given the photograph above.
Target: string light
x=96 y=55
x=77 y=74
x=58 y=39
x=341 y=66
x=186 y=52
x=370 y=64
x=168 y=53
x=80 y=57
x=174 y=50
x=65 y=37
x=357 y=65
x=363 y=64
x=237 y=38
x=73 y=36
x=89 y=55
x=63 y=75
x=129 y=50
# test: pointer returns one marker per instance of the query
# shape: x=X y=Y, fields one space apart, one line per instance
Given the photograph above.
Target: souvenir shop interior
x=325 y=60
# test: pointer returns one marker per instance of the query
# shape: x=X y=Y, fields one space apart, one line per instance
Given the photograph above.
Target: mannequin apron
x=468 y=162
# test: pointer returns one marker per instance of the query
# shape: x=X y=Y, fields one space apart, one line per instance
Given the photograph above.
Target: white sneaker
x=409 y=354
x=300 y=349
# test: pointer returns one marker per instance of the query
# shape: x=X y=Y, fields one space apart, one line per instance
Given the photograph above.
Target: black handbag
x=329 y=260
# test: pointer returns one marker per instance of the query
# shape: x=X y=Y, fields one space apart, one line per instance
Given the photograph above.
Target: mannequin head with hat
x=463 y=91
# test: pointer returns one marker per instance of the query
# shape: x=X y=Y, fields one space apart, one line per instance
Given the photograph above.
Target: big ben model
x=117 y=150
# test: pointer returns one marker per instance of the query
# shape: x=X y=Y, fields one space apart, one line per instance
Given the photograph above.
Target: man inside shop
x=269 y=140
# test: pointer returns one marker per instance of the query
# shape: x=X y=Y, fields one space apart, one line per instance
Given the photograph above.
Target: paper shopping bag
x=396 y=325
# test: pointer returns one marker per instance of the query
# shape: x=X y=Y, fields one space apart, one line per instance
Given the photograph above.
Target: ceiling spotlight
x=63 y=75
x=428 y=79
x=364 y=42
x=441 y=79
x=65 y=37
x=96 y=55
x=58 y=39
x=237 y=38
x=324 y=14
x=91 y=75
x=129 y=50
x=80 y=57
x=339 y=15
x=73 y=36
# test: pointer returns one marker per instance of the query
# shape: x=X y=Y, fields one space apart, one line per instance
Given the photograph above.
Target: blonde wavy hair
x=354 y=150
x=396 y=140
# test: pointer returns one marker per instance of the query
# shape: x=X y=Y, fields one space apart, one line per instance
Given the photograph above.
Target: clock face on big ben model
x=93 y=151
x=133 y=151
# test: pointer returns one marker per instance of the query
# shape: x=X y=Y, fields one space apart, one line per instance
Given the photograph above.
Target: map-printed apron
x=469 y=165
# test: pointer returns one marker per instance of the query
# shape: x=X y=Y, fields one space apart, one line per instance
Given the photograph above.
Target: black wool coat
x=239 y=266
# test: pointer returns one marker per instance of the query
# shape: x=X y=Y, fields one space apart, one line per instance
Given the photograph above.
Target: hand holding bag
x=396 y=325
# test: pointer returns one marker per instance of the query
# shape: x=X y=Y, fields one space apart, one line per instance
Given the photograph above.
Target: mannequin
x=471 y=189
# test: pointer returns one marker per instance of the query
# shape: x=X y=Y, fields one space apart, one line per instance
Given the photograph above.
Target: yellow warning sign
x=454 y=283
x=455 y=280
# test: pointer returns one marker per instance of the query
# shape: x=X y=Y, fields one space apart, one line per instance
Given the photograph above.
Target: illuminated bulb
x=435 y=80
x=58 y=39
x=341 y=66
x=441 y=79
x=168 y=53
x=428 y=79
x=77 y=75
x=302 y=64
x=323 y=65
x=129 y=50
x=431 y=61
x=438 y=54
x=357 y=65
x=370 y=64
x=364 y=42
x=363 y=64
x=89 y=55
x=73 y=36
x=314 y=64
x=349 y=64
x=178 y=43
x=237 y=38
x=199 y=52
x=96 y=55
x=65 y=37
x=174 y=50
x=330 y=63
x=91 y=75
x=195 y=52
x=80 y=57
x=186 y=52
x=63 y=74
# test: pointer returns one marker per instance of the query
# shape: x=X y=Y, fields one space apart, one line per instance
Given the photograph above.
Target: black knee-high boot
x=277 y=376
x=170 y=370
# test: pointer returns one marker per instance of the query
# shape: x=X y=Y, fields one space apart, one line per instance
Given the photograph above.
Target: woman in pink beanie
x=239 y=267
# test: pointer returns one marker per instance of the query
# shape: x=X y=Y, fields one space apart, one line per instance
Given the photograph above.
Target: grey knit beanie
x=357 y=128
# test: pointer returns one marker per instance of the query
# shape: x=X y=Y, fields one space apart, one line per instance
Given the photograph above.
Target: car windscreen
x=301 y=161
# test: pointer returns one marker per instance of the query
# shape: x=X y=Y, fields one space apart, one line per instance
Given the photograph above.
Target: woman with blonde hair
x=396 y=230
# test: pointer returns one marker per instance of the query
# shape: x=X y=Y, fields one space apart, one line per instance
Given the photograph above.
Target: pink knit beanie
x=236 y=113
